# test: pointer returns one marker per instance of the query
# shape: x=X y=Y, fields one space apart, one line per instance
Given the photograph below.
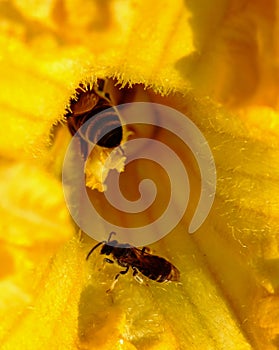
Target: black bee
x=88 y=103
x=152 y=266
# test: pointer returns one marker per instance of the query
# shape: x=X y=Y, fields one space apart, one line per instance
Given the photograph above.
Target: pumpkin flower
x=217 y=63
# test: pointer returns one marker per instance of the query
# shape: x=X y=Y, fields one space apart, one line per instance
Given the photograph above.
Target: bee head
x=106 y=249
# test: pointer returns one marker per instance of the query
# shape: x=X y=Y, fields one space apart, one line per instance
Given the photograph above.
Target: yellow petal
x=32 y=204
x=236 y=56
x=34 y=224
x=225 y=50
x=51 y=321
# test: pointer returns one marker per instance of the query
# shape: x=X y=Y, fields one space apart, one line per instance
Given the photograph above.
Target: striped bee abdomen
x=105 y=129
x=103 y=126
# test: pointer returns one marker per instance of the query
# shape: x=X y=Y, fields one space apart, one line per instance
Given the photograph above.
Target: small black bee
x=152 y=266
x=89 y=102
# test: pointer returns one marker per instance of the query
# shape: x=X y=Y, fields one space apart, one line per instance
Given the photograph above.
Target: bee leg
x=136 y=276
x=145 y=249
x=116 y=279
x=101 y=84
x=106 y=260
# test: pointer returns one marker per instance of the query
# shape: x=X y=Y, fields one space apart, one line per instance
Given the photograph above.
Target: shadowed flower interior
x=215 y=62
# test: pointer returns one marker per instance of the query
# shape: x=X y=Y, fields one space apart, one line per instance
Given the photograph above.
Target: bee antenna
x=112 y=233
x=92 y=250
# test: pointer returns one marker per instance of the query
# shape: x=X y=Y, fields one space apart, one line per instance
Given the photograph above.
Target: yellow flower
x=217 y=62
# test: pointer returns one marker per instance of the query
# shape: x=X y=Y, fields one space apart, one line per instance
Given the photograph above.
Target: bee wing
x=174 y=274
x=156 y=267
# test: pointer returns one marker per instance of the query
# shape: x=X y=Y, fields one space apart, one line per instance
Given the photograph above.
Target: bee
x=104 y=129
x=151 y=266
